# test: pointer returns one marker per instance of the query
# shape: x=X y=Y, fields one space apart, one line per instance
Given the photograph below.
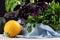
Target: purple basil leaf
x=36 y=12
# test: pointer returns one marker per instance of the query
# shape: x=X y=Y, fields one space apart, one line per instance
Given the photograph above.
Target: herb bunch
x=39 y=12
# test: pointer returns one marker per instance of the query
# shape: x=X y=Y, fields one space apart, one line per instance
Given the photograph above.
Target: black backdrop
x=2 y=7
x=44 y=0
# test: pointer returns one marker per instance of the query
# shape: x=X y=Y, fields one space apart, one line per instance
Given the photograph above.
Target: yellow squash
x=12 y=28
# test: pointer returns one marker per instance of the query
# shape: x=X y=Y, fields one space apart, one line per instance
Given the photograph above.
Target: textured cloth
x=41 y=31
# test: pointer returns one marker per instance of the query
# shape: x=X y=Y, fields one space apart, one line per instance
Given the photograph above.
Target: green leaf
x=31 y=1
x=13 y=6
x=10 y=4
x=21 y=1
x=52 y=4
x=29 y=28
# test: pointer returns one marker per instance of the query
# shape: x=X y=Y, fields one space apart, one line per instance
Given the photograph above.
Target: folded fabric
x=41 y=31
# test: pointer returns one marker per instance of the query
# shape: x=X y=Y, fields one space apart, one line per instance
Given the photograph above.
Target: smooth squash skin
x=12 y=28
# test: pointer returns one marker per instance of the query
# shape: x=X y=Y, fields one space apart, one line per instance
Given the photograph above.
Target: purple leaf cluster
x=11 y=16
x=33 y=9
x=25 y=10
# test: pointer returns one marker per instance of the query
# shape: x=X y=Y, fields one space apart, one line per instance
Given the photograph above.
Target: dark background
x=2 y=7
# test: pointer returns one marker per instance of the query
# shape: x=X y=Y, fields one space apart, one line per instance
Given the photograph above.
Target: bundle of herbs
x=39 y=12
